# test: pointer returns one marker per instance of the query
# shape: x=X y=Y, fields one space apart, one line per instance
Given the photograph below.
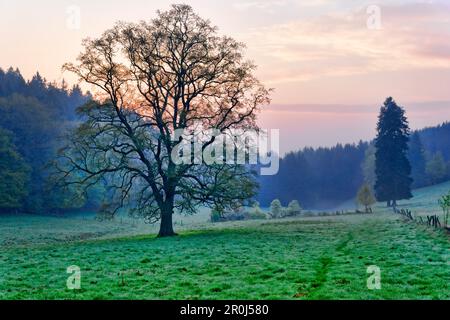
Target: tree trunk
x=166 y=227
x=394 y=203
x=389 y=204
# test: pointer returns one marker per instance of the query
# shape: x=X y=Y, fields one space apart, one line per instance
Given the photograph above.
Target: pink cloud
x=412 y=36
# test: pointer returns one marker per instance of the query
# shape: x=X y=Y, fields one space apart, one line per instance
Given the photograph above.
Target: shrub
x=276 y=209
x=366 y=198
x=256 y=213
x=220 y=215
x=444 y=202
x=293 y=209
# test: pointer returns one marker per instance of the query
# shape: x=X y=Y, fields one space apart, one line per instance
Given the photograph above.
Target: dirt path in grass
x=325 y=263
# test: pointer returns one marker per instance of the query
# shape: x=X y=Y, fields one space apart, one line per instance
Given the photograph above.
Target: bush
x=220 y=215
x=293 y=209
x=256 y=213
x=217 y=216
x=366 y=197
x=276 y=209
x=444 y=203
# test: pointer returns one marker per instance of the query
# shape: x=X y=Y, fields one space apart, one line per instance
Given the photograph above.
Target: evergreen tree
x=417 y=159
x=437 y=139
x=37 y=87
x=322 y=178
x=12 y=82
x=392 y=166
x=436 y=169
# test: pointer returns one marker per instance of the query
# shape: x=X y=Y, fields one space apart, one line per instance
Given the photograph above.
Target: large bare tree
x=152 y=79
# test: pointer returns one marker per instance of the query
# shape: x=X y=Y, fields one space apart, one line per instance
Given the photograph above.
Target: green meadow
x=301 y=258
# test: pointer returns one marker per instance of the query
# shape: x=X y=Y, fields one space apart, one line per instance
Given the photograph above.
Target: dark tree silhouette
x=392 y=167
x=418 y=160
x=154 y=78
x=319 y=178
x=437 y=139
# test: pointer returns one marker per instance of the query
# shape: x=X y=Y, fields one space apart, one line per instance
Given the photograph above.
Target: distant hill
x=323 y=178
x=318 y=178
x=437 y=139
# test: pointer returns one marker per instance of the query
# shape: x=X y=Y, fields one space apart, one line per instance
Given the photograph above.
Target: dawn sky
x=331 y=63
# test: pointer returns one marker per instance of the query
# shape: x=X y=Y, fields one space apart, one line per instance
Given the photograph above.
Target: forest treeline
x=323 y=178
x=34 y=115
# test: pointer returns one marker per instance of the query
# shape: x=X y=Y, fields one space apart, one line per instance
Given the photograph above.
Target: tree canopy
x=36 y=113
x=153 y=79
x=14 y=174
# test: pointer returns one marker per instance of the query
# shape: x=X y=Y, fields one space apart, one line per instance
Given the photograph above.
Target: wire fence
x=433 y=219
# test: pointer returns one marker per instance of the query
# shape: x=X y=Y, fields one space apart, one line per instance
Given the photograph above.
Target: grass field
x=304 y=258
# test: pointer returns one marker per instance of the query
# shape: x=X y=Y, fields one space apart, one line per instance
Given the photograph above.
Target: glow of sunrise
x=325 y=62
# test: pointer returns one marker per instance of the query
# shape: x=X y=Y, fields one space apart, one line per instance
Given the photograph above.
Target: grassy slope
x=425 y=201
x=314 y=258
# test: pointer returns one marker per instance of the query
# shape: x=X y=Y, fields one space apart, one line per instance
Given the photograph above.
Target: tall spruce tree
x=393 y=170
